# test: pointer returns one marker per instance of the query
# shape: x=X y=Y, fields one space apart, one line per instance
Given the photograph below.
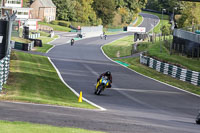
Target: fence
x=4 y=70
x=172 y=70
x=115 y=30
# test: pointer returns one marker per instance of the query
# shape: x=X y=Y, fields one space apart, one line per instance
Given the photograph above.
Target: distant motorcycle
x=105 y=36
x=102 y=84
x=198 y=118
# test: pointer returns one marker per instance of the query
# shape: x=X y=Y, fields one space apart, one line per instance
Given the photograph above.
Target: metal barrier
x=187 y=35
x=190 y=76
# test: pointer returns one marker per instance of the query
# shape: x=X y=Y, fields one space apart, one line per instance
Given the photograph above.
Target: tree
x=65 y=9
x=134 y=8
x=85 y=12
x=189 y=15
x=104 y=10
x=158 y=5
x=166 y=30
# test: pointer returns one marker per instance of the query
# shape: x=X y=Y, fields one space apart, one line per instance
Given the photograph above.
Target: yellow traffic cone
x=80 y=97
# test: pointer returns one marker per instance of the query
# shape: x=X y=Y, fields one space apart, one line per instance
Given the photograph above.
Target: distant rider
x=107 y=74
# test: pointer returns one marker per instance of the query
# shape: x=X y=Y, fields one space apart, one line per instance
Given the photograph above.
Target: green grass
x=56 y=27
x=21 y=40
x=42 y=33
x=164 y=21
x=154 y=50
x=24 y=127
x=189 y=63
x=123 y=45
x=45 y=47
x=32 y=78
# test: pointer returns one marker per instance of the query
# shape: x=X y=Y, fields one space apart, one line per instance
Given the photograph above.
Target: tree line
x=95 y=12
x=187 y=13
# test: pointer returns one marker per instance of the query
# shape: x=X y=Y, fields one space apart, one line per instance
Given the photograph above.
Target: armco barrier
x=172 y=70
x=4 y=70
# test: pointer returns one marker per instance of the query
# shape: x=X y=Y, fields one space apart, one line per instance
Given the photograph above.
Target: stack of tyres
x=26 y=47
x=26 y=32
x=38 y=43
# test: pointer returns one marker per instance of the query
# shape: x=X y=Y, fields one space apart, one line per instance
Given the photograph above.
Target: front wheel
x=99 y=90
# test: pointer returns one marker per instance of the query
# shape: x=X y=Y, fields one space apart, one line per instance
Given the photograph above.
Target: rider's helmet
x=108 y=73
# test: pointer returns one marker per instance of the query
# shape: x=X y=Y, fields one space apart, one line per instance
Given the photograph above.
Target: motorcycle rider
x=107 y=74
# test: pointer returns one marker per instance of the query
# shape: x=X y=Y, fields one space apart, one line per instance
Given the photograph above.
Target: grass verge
x=21 y=40
x=56 y=27
x=23 y=127
x=33 y=79
x=45 y=47
x=122 y=46
x=154 y=49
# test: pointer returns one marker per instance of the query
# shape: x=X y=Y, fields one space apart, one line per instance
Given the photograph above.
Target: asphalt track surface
x=135 y=104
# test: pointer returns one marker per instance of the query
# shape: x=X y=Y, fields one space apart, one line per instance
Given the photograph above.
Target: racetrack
x=135 y=104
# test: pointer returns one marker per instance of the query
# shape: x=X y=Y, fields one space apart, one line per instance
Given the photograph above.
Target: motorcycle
x=198 y=118
x=102 y=84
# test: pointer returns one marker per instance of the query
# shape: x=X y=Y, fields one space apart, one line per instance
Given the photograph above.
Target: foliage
x=95 y=12
x=55 y=22
x=64 y=23
x=166 y=29
x=129 y=9
x=158 y=5
x=190 y=14
x=104 y=10
x=76 y=10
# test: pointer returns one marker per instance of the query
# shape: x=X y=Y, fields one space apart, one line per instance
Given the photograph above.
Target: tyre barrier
x=4 y=70
x=190 y=76
x=22 y=46
x=34 y=36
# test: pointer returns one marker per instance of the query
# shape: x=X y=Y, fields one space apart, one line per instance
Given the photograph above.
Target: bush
x=54 y=22
x=64 y=23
